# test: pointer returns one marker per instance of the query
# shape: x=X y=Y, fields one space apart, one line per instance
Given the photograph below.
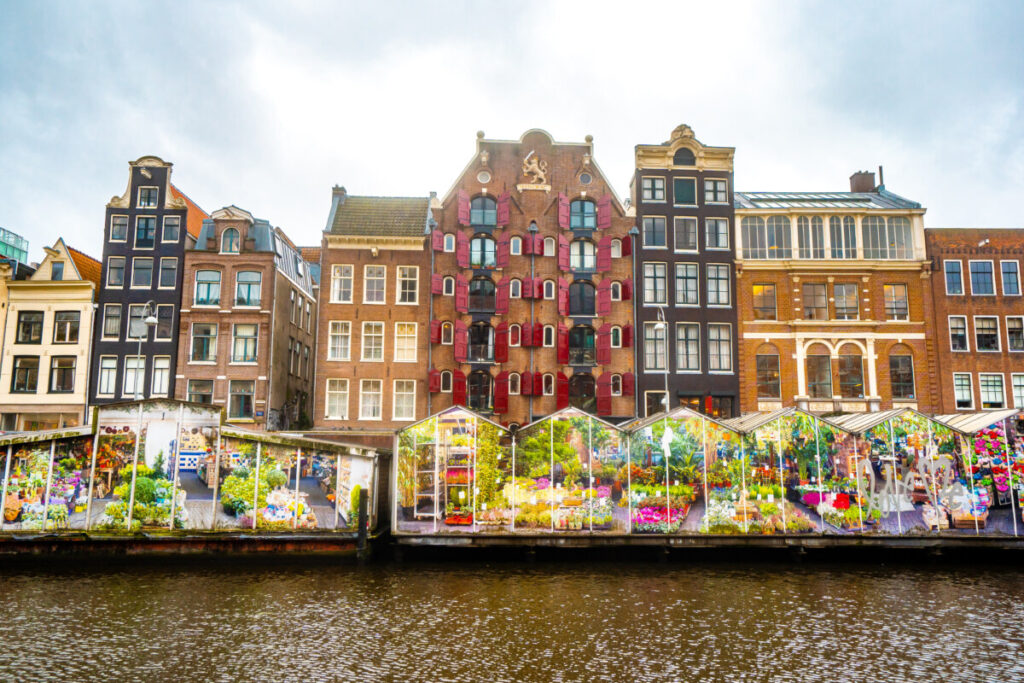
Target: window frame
x=708 y=221
x=777 y=384
x=153 y=377
x=394 y=400
x=695 y=232
x=445 y=289
x=654 y=232
x=156 y=329
x=687 y=369
x=718 y=267
x=248 y=285
x=913 y=378
x=135 y=269
x=147 y=205
x=652 y=190
x=364 y=393
x=135 y=241
x=362 y=342
x=906 y=300
x=57 y=323
x=110 y=231
x=660 y=355
x=327 y=398
x=654 y=278
x=1013 y=389
x=548 y=331
x=335 y=277
x=449 y=243
x=73 y=369
x=237 y=244
x=100 y=376
x=33 y=339
x=946 y=263
x=232 y=394
x=415 y=279
x=163 y=229
x=515 y=246
x=235 y=339
x=835 y=301
x=124 y=265
x=967 y=333
x=415 y=345
x=684 y=281
x=675 y=184
x=970 y=387
x=120 y=320
x=192 y=343
x=195 y=288
x=1002 y=389
x=14 y=375
x=139 y=383
x=992 y=273
x=715 y=191
x=1002 y=276
x=384 y=284
x=732 y=361
x=1009 y=344
x=998 y=335
x=347 y=355
x=191 y=395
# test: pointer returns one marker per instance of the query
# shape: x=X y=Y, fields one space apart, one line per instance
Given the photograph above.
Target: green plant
x=276 y=479
x=354 y=501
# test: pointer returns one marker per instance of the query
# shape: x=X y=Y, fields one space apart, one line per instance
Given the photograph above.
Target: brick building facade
x=531 y=284
x=978 y=325
x=834 y=300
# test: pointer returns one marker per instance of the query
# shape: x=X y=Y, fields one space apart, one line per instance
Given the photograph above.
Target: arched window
x=513 y=384
x=581 y=298
x=515 y=335
x=616 y=291
x=753 y=238
x=766 y=240
x=479 y=390
x=447 y=333
x=582 y=214
x=616 y=385
x=229 y=241
x=549 y=289
x=616 y=337
x=449 y=242
x=851 y=372
x=769 y=382
x=901 y=239
x=549 y=246
x=446 y=381
x=515 y=289
x=548 y=383
x=483 y=211
x=581 y=345
x=582 y=255
x=684 y=157
x=810 y=235
x=515 y=246
x=616 y=248
x=481 y=343
x=449 y=286
x=481 y=252
x=481 y=295
x=843 y=232
x=583 y=392
x=780 y=240
x=549 y=335
x=818 y=370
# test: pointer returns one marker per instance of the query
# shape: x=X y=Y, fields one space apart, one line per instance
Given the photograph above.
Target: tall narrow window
x=1015 y=333
x=341 y=284
x=582 y=255
x=1011 y=278
x=370 y=399
x=954 y=277
x=404 y=407
x=243 y=346
x=958 y=333
x=992 y=394
x=652 y=189
x=896 y=304
x=62 y=374
x=148 y=197
x=982 y=280
x=654 y=347
x=107 y=384
x=779 y=239
x=719 y=348
x=408 y=283
x=685 y=233
x=337 y=399
x=686 y=285
x=684 y=191
x=847 y=302
x=339 y=340
x=481 y=252
x=654 y=232
x=164 y=322
x=161 y=376
x=142 y=273
x=687 y=347
x=815 y=298
x=134 y=375
x=843 y=234
x=764 y=302
x=374 y=278
x=819 y=376
x=851 y=376
x=204 y=342
x=655 y=283
x=57 y=271
x=963 y=391
x=25 y=378
x=769 y=384
x=247 y=288
x=207 y=288
x=901 y=376
x=30 y=327
x=240 y=399
x=115 y=271
x=582 y=214
x=810 y=233
x=753 y=239
x=145 y=232
x=119 y=228
x=718 y=285
x=229 y=241
x=483 y=211
x=373 y=341
x=405 y=342
x=65 y=327
x=986 y=333
x=111 y=321
x=172 y=229
x=716 y=233
x=168 y=273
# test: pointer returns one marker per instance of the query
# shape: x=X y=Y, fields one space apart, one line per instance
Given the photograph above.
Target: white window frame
x=714 y=190
x=450 y=337
x=652 y=199
x=1002 y=277
x=520 y=329
x=384 y=292
x=616 y=248
x=550 y=241
x=362 y=342
x=167 y=376
x=970 y=276
x=675 y=349
x=611 y=337
x=949 y=333
x=970 y=384
x=124 y=377
x=135 y=237
x=394 y=401
x=449 y=243
x=447 y=290
x=415 y=280
x=945 y=277
x=519 y=383
x=1002 y=387
x=728 y=285
x=683 y=220
x=347 y=355
x=163 y=230
x=124 y=267
x=999 y=334
x=643 y=283
x=120 y=327
x=515 y=246
x=643 y=233
x=110 y=231
x=446 y=374
x=160 y=271
x=327 y=398
x=138 y=197
x=362 y=394
x=1019 y=404
x=663 y=357
x=544 y=336
x=234 y=337
x=544 y=384
x=1009 y=349
x=732 y=359
x=616 y=392
x=696 y=195
x=135 y=260
x=415 y=333
x=100 y=379
x=337 y=275
x=707 y=243
x=515 y=289
x=615 y=291
x=550 y=284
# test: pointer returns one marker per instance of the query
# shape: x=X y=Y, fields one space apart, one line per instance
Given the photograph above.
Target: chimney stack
x=862 y=181
x=339 y=191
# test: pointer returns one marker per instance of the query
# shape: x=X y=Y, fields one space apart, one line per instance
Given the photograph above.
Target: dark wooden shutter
x=435 y=331
x=604 y=254
x=628 y=384
x=563 y=297
x=434 y=381
x=436 y=284
x=563 y=252
x=459 y=388
x=604 y=394
x=501 y=393
x=538 y=384
x=538 y=334
x=526 y=384
x=437 y=240
x=501 y=251
x=501 y=296
x=627 y=289
x=627 y=245
x=461 y=294
x=604 y=297
x=627 y=336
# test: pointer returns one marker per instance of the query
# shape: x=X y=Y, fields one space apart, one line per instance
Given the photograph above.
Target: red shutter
x=563 y=297
x=604 y=394
x=501 y=297
x=462 y=250
x=463 y=207
x=627 y=336
x=563 y=211
x=528 y=244
x=437 y=240
x=461 y=341
x=627 y=289
x=562 y=391
x=501 y=344
x=501 y=251
x=461 y=294
x=627 y=383
x=525 y=335
x=434 y=382
x=563 y=252
x=604 y=254
x=604 y=297
x=604 y=212
x=526 y=289
x=538 y=288
x=538 y=384
x=538 y=335
x=458 y=388
x=435 y=331
x=501 y=393
x=538 y=244
x=503 y=208
x=526 y=384
x=436 y=284
x=627 y=245
x=563 y=345
x=604 y=344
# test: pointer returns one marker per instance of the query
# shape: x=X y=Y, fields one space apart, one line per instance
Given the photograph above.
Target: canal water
x=318 y=621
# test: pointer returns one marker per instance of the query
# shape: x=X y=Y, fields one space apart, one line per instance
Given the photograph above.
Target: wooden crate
x=963 y=520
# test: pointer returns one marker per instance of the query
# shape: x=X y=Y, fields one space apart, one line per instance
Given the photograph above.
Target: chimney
x=862 y=181
x=339 y=191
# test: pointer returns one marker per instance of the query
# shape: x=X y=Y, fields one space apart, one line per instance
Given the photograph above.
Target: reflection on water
x=228 y=622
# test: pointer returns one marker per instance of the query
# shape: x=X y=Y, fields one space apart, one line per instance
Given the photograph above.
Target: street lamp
x=148 y=321
x=662 y=326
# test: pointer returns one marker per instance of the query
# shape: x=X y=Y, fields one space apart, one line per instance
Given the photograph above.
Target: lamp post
x=666 y=436
x=148 y=321
x=533 y=259
x=662 y=326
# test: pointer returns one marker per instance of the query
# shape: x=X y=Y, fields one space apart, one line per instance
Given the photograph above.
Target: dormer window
x=57 y=270
x=483 y=211
x=684 y=157
x=229 y=241
x=148 y=197
x=582 y=214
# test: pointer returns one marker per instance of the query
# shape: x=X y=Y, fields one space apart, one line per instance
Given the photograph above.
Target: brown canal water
x=502 y=622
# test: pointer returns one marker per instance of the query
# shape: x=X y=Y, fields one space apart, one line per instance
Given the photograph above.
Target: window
x=1011 y=278
x=341 y=284
x=716 y=233
x=616 y=291
x=370 y=399
x=229 y=241
x=764 y=302
x=447 y=333
x=686 y=285
x=890 y=239
x=308 y=367
x=958 y=333
x=515 y=289
x=207 y=288
x=654 y=232
x=243 y=344
x=446 y=382
x=963 y=391
x=65 y=327
x=655 y=402
x=515 y=246
x=616 y=385
x=687 y=347
x=57 y=271
x=291 y=308
x=769 y=239
x=684 y=191
x=483 y=295
x=513 y=384
x=819 y=376
x=654 y=347
x=374 y=284
x=581 y=298
x=769 y=381
x=1015 y=333
x=164 y=322
x=108 y=376
x=200 y=390
x=582 y=350
x=483 y=211
x=1018 y=390
x=408 y=284
x=843 y=234
x=810 y=234
x=481 y=252
x=549 y=289
x=549 y=246
x=161 y=375
x=992 y=395
x=582 y=255
x=119 y=228
x=815 y=298
x=982 y=280
x=339 y=340
x=142 y=273
x=25 y=378
x=901 y=376
x=548 y=385
x=115 y=271
x=240 y=399
x=337 y=399
x=582 y=214
x=684 y=157
x=204 y=342
x=111 y=321
x=147 y=197
x=954 y=277
x=715 y=192
x=293 y=356
x=30 y=327
x=405 y=342
x=373 y=341
x=719 y=348
x=449 y=286
x=851 y=376
x=449 y=243
x=653 y=189
x=986 y=333
x=718 y=285
x=172 y=229
x=583 y=392
x=515 y=335
x=685 y=233
x=145 y=232
x=549 y=336
x=847 y=301
x=655 y=283
x=404 y=406
x=168 y=273
x=616 y=337
x=134 y=375
x=896 y=306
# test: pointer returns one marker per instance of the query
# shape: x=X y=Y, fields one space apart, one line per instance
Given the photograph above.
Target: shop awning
x=858 y=423
x=15 y=438
x=295 y=441
x=972 y=423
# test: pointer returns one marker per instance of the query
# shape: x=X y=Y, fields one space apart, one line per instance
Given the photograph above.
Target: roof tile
x=88 y=267
x=195 y=216
x=381 y=216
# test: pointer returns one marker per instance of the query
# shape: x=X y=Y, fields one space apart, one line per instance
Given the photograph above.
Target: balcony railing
x=481 y=353
x=481 y=303
x=582 y=356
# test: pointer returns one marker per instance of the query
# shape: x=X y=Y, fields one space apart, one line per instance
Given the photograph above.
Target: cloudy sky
x=267 y=105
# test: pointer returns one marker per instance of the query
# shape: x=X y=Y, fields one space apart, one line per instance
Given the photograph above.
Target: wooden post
x=216 y=482
x=92 y=475
x=361 y=550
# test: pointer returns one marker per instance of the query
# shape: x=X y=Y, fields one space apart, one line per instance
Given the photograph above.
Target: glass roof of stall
x=972 y=423
x=573 y=412
x=681 y=411
x=453 y=409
